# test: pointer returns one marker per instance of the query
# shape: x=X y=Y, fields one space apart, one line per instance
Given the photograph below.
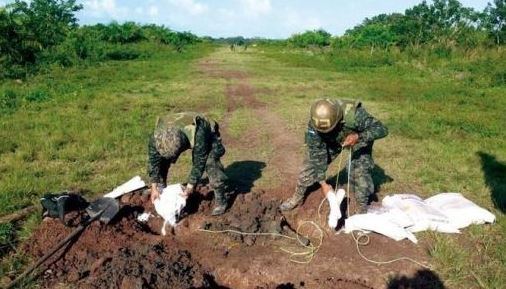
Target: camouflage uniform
x=195 y=132
x=323 y=148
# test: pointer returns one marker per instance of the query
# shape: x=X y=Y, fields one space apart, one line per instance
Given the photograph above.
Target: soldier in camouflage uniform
x=333 y=126
x=182 y=131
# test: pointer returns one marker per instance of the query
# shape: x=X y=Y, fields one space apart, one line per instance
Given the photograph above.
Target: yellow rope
x=302 y=257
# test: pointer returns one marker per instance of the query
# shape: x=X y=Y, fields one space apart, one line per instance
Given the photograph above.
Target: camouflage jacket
x=322 y=146
x=201 y=133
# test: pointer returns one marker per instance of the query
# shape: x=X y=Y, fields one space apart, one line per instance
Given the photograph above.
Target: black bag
x=57 y=205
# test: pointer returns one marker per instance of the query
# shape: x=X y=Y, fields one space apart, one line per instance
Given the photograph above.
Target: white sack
x=133 y=184
x=394 y=215
x=460 y=211
x=335 y=200
x=170 y=204
x=377 y=223
x=422 y=215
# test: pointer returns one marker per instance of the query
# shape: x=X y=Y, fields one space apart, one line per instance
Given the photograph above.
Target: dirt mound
x=251 y=213
x=124 y=254
x=145 y=267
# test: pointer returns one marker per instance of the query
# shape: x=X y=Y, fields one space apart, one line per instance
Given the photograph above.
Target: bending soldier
x=183 y=131
x=333 y=126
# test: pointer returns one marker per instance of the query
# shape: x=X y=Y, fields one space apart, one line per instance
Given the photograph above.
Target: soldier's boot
x=294 y=201
x=221 y=203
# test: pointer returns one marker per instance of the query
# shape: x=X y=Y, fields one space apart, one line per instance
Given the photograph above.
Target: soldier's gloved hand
x=350 y=140
x=187 y=191
x=155 y=192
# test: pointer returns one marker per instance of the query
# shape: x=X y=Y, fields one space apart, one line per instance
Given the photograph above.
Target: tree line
x=440 y=23
x=38 y=33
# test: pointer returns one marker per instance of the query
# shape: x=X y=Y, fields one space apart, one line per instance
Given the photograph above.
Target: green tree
x=28 y=28
x=495 y=22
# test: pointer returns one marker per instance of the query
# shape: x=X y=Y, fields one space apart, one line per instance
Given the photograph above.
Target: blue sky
x=263 y=18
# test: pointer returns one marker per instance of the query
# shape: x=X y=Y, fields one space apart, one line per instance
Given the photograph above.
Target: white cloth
x=403 y=214
x=169 y=205
x=423 y=216
x=460 y=211
x=378 y=223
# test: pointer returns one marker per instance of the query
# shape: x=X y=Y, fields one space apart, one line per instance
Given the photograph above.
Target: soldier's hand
x=155 y=192
x=325 y=187
x=350 y=140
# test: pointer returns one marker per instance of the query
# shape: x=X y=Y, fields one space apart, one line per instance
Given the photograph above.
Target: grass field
x=86 y=129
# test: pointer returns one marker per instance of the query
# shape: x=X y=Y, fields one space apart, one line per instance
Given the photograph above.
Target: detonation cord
x=301 y=257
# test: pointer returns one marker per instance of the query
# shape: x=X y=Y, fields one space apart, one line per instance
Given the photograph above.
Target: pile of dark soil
x=251 y=213
x=118 y=255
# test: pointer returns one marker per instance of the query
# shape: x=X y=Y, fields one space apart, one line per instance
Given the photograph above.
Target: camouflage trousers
x=361 y=182
x=218 y=180
x=215 y=171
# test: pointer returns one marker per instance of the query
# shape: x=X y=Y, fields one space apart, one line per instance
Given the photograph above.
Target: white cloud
x=153 y=11
x=295 y=22
x=257 y=7
x=139 y=10
x=98 y=8
x=190 y=6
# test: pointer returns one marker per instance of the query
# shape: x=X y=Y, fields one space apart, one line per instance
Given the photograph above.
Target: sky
x=248 y=18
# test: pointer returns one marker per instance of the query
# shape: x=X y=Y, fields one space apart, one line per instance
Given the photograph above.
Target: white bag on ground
x=378 y=223
x=170 y=204
x=422 y=215
x=460 y=211
x=394 y=215
x=133 y=184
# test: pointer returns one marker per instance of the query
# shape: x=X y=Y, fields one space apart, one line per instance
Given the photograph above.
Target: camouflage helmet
x=170 y=142
x=325 y=115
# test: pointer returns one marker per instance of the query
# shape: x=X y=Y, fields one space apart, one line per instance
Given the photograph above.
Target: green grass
x=85 y=128
x=82 y=128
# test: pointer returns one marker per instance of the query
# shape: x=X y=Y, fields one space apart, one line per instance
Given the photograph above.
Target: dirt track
x=128 y=255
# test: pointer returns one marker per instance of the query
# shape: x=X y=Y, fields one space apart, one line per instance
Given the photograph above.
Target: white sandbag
x=170 y=204
x=422 y=215
x=394 y=215
x=335 y=200
x=377 y=223
x=460 y=211
x=133 y=184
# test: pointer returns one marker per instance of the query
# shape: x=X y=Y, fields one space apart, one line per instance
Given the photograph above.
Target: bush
x=37 y=95
x=9 y=101
x=122 y=54
x=318 y=38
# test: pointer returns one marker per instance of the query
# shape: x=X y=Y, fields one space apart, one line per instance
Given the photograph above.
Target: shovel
x=104 y=209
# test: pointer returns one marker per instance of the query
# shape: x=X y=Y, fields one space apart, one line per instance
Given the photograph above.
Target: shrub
x=8 y=101
x=37 y=95
x=318 y=38
x=122 y=54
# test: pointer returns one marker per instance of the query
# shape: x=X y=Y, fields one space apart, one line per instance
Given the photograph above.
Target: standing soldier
x=182 y=131
x=333 y=126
